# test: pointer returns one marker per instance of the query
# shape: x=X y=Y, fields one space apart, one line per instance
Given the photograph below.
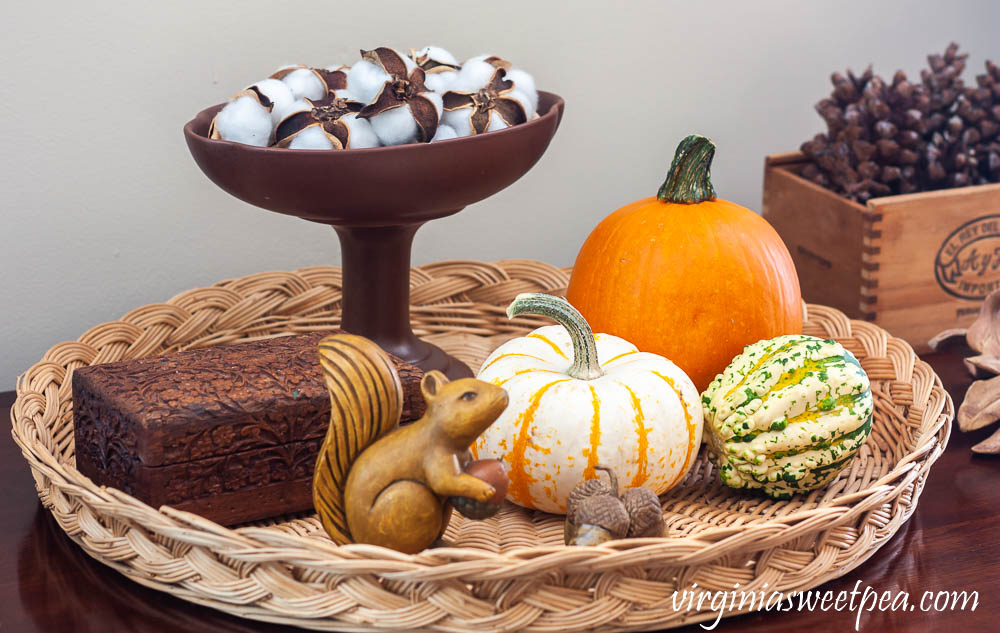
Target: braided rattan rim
x=508 y=573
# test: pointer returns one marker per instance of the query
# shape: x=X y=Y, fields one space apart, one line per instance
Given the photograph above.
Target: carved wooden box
x=229 y=432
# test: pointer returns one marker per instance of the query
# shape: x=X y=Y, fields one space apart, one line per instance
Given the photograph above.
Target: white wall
x=104 y=210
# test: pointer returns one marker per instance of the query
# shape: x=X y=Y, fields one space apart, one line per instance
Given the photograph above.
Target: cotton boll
x=434 y=98
x=444 y=132
x=396 y=126
x=496 y=122
x=347 y=95
x=280 y=95
x=299 y=105
x=441 y=82
x=458 y=120
x=362 y=134
x=410 y=64
x=311 y=138
x=475 y=74
x=524 y=100
x=365 y=79
x=524 y=83
x=244 y=120
x=305 y=84
x=438 y=54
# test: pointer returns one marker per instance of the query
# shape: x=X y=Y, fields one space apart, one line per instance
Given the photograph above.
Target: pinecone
x=898 y=117
x=902 y=137
x=871 y=147
x=949 y=157
x=836 y=154
x=979 y=108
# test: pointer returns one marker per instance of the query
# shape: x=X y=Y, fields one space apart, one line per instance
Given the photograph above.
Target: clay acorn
x=382 y=485
x=597 y=513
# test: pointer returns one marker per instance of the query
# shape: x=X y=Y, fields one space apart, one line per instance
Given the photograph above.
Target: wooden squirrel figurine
x=378 y=484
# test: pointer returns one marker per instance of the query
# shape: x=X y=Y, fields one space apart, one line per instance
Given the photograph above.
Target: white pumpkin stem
x=585 y=365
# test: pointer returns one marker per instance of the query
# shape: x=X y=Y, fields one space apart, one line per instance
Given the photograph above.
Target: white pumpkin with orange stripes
x=578 y=400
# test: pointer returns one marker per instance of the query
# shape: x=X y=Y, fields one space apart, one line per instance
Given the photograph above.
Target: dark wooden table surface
x=952 y=543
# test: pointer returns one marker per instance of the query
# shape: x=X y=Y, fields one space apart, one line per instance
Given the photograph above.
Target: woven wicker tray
x=510 y=572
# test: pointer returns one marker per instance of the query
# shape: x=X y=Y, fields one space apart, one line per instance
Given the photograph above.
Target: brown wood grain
x=823 y=233
x=229 y=432
x=907 y=234
x=878 y=262
x=951 y=543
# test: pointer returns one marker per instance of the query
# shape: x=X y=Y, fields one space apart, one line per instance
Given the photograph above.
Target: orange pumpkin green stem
x=585 y=365
x=689 y=180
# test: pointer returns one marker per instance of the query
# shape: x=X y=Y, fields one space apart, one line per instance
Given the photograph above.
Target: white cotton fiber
x=299 y=105
x=362 y=134
x=365 y=80
x=524 y=100
x=280 y=95
x=245 y=120
x=441 y=82
x=444 y=132
x=395 y=126
x=346 y=94
x=458 y=120
x=496 y=122
x=438 y=54
x=311 y=138
x=410 y=64
x=525 y=84
x=434 y=98
x=305 y=84
x=475 y=74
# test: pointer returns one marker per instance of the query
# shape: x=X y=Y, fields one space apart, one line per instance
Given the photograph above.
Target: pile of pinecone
x=886 y=138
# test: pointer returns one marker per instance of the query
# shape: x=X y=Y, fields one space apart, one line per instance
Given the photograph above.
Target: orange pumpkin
x=686 y=275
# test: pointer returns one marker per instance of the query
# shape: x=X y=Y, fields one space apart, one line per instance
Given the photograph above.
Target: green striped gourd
x=787 y=415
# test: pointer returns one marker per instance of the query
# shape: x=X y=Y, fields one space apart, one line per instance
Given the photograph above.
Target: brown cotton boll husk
x=981 y=406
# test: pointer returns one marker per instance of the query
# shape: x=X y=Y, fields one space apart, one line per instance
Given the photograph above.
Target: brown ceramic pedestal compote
x=376 y=199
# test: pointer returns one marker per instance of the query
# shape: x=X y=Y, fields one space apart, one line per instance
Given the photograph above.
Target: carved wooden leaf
x=946 y=337
x=982 y=366
x=981 y=405
x=984 y=333
x=989 y=446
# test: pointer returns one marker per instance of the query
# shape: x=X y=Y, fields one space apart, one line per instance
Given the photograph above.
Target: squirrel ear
x=432 y=383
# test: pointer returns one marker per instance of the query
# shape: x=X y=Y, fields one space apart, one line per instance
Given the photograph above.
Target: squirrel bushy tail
x=366 y=401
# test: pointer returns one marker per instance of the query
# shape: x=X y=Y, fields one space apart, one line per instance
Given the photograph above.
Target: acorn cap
x=644 y=511
x=589 y=488
x=473 y=509
x=604 y=511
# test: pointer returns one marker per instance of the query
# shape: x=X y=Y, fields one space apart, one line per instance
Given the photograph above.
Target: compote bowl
x=376 y=199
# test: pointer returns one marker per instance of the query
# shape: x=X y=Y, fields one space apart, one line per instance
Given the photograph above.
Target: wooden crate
x=914 y=264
